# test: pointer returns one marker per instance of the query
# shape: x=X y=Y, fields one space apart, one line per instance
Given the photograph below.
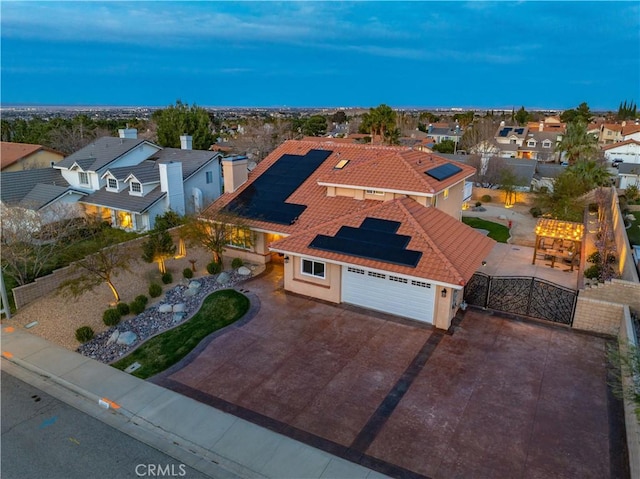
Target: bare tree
x=488 y=171
x=478 y=138
x=260 y=138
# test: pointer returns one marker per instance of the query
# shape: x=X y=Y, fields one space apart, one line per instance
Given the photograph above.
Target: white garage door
x=388 y=293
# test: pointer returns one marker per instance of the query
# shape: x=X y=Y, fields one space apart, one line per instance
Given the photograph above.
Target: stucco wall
x=498 y=196
x=39 y=159
x=598 y=316
x=626 y=268
x=328 y=289
x=452 y=205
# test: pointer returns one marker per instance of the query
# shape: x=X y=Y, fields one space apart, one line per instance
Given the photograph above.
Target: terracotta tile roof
x=621 y=143
x=12 y=152
x=394 y=162
x=451 y=250
x=630 y=129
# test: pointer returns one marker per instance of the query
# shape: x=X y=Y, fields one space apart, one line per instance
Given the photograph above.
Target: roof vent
x=341 y=164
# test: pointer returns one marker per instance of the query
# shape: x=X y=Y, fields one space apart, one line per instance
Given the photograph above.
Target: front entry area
x=388 y=293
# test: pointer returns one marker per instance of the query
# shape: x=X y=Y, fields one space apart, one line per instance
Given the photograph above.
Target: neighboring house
x=628 y=151
x=370 y=225
x=545 y=176
x=609 y=133
x=126 y=181
x=440 y=132
x=527 y=143
x=550 y=124
x=629 y=174
x=24 y=156
x=631 y=131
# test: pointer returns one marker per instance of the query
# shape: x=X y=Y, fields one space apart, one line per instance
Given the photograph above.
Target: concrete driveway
x=497 y=398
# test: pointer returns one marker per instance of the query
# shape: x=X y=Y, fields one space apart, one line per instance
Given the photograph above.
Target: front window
x=445 y=194
x=136 y=187
x=112 y=184
x=546 y=144
x=84 y=178
x=531 y=144
x=239 y=237
x=209 y=176
x=313 y=268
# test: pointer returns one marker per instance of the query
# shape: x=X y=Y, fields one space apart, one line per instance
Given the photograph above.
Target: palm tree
x=577 y=144
x=591 y=173
x=379 y=121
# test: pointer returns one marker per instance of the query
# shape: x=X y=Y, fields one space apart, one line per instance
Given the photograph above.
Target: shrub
x=167 y=278
x=187 y=273
x=485 y=198
x=478 y=204
x=84 y=334
x=535 y=211
x=137 y=306
x=592 y=272
x=236 y=263
x=123 y=308
x=213 y=268
x=111 y=317
x=155 y=290
x=142 y=299
x=595 y=258
x=593 y=207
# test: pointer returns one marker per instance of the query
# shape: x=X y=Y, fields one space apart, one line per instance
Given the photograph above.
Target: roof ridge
x=428 y=238
x=415 y=172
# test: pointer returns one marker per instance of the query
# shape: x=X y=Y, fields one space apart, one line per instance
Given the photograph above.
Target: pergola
x=558 y=239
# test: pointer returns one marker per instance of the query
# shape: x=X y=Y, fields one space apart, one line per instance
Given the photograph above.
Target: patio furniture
x=565 y=238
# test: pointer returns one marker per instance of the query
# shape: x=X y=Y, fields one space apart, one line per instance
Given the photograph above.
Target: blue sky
x=405 y=54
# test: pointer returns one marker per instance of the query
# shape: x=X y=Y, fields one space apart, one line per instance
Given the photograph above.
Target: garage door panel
x=388 y=293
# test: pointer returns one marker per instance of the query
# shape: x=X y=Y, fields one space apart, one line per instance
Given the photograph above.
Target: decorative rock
x=502 y=217
x=244 y=271
x=178 y=308
x=223 y=278
x=194 y=285
x=177 y=317
x=114 y=337
x=127 y=338
x=165 y=308
x=190 y=292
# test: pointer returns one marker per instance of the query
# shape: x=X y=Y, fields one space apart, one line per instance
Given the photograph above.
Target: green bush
x=236 y=263
x=478 y=204
x=123 y=308
x=111 y=317
x=535 y=212
x=155 y=290
x=142 y=299
x=187 y=273
x=137 y=307
x=214 y=268
x=84 y=334
x=485 y=198
x=593 y=207
x=167 y=278
x=593 y=272
x=595 y=258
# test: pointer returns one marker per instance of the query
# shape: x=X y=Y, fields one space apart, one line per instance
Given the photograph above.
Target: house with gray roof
x=125 y=181
x=629 y=174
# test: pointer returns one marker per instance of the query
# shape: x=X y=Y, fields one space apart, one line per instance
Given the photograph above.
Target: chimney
x=430 y=129
x=171 y=184
x=186 y=142
x=235 y=173
x=502 y=123
x=541 y=126
x=131 y=133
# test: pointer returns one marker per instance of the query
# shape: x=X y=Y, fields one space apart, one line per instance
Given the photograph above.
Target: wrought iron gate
x=525 y=296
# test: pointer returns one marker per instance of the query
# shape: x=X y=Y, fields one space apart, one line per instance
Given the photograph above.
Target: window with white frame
x=84 y=178
x=531 y=143
x=112 y=183
x=209 y=177
x=546 y=144
x=313 y=268
x=136 y=187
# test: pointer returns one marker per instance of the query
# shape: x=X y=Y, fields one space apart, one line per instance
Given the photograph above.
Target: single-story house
x=370 y=225
x=629 y=174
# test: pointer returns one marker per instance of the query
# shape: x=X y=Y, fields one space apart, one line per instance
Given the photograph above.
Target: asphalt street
x=44 y=437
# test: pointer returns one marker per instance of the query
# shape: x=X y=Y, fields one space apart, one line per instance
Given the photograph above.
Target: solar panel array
x=375 y=239
x=443 y=172
x=264 y=199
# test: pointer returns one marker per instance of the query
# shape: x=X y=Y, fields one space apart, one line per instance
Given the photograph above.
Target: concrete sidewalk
x=211 y=441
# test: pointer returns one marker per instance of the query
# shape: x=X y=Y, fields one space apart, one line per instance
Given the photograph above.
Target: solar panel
x=375 y=239
x=443 y=172
x=504 y=132
x=265 y=198
x=378 y=224
x=519 y=131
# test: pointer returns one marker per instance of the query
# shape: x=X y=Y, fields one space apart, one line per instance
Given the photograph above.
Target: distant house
x=370 y=225
x=440 y=132
x=629 y=174
x=25 y=156
x=126 y=181
x=545 y=176
x=527 y=143
x=628 y=151
x=631 y=131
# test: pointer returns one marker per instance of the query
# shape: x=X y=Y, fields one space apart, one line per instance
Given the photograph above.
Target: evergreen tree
x=181 y=119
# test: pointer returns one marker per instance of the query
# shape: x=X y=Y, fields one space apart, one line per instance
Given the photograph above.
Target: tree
x=445 y=146
x=217 y=232
x=478 y=138
x=158 y=247
x=508 y=183
x=627 y=111
x=465 y=118
x=378 y=121
x=339 y=117
x=98 y=268
x=180 y=119
x=581 y=114
x=315 y=125
x=577 y=144
x=522 y=116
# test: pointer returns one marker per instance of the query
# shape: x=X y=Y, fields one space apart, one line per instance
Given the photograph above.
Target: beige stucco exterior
x=452 y=204
x=39 y=159
x=327 y=289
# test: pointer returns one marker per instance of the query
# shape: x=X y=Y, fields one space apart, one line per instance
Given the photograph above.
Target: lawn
x=496 y=231
x=218 y=310
x=634 y=232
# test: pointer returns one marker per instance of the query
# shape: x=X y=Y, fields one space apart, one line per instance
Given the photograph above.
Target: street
x=44 y=437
